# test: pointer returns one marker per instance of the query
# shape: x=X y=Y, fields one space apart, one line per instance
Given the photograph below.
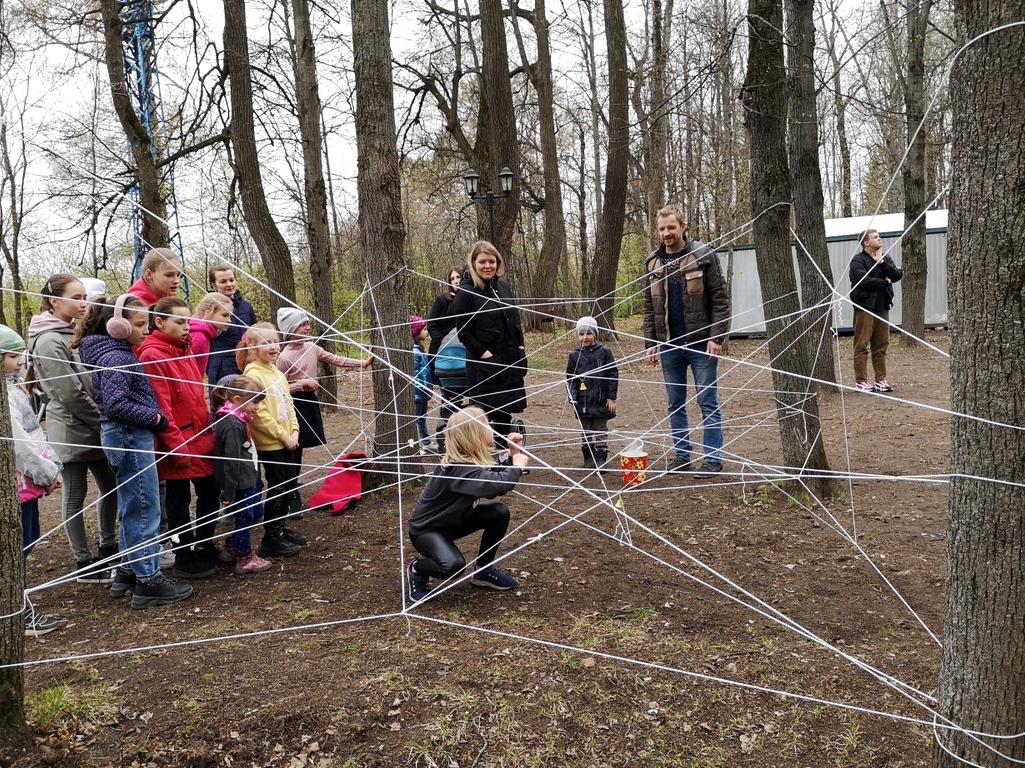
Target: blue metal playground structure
x=138 y=48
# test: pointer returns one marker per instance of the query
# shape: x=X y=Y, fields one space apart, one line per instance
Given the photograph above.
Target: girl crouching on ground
x=448 y=508
x=129 y=417
x=238 y=473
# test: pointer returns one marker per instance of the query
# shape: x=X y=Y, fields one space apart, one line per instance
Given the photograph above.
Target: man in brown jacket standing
x=686 y=319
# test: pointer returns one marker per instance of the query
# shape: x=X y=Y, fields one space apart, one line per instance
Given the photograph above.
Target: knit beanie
x=587 y=324
x=290 y=318
x=94 y=288
x=416 y=326
x=10 y=341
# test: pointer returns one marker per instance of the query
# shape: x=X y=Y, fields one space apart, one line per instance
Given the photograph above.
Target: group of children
x=126 y=403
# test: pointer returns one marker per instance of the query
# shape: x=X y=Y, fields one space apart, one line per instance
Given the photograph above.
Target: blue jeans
x=421 y=421
x=130 y=453
x=248 y=510
x=675 y=362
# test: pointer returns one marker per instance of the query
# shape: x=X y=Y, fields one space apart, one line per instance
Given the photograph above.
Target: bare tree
x=913 y=176
x=982 y=679
x=608 y=242
x=812 y=252
x=272 y=246
x=318 y=232
x=765 y=98
x=380 y=220
x=152 y=200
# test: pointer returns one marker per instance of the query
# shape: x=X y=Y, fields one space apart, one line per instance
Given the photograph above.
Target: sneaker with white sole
x=864 y=386
x=492 y=578
x=39 y=624
x=418 y=586
x=882 y=386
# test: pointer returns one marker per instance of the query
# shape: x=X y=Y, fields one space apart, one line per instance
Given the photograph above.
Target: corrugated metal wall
x=748 y=313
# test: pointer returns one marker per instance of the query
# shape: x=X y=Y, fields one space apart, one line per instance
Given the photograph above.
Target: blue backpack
x=450 y=361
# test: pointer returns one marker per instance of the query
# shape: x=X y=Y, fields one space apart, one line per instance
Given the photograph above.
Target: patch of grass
x=64 y=702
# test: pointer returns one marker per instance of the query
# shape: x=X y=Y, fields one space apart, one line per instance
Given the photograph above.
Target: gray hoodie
x=454 y=489
x=72 y=418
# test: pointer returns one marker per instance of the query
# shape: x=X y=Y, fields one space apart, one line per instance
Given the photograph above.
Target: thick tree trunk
x=318 y=231
x=582 y=213
x=807 y=181
x=982 y=681
x=277 y=261
x=913 y=258
x=154 y=230
x=499 y=130
x=605 y=264
x=12 y=588
x=658 y=121
x=382 y=229
x=765 y=101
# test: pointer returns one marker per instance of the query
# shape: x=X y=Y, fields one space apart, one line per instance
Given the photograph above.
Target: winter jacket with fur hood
x=35 y=462
x=178 y=386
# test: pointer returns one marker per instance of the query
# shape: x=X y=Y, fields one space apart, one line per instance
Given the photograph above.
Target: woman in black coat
x=488 y=324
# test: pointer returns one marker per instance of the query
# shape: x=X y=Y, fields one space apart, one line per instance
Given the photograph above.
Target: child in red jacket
x=186 y=447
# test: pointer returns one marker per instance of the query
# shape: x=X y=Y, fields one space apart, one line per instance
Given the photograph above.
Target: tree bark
x=553 y=245
x=499 y=130
x=982 y=679
x=809 y=208
x=277 y=261
x=765 y=100
x=318 y=232
x=144 y=152
x=840 y=112
x=658 y=122
x=608 y=242
x=13 y=731
x=913 y=256
x=382 y=229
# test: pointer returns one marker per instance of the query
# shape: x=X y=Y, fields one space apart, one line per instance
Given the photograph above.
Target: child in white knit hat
x=593 y=382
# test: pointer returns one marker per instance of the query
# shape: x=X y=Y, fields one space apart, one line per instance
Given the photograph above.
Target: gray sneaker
x=38 y=624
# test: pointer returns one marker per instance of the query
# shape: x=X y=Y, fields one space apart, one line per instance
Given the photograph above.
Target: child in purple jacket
x=129 y=417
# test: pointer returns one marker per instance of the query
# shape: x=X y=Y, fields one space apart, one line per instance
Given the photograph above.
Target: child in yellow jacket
x=275 y=432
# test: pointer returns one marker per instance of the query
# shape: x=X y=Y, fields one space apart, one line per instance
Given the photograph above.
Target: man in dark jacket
x=872 y=278
x=593 y=381
x=222 y=347
x=686 y=319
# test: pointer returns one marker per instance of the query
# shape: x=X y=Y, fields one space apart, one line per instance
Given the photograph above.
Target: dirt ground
x=401 y=691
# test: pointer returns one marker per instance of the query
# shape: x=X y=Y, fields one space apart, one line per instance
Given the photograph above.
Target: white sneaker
x=166 y=558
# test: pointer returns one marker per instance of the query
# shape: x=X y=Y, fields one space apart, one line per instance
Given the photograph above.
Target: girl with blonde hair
x=449 y=507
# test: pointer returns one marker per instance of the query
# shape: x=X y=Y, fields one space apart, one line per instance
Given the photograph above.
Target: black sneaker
x=160 y=591
x=39 y=624
x=708 y=471
x=492 y=578
x=275 y=544
x=419 y=586
x=680 y=464
x=294 y=536
x=124 y=582
x=90 y=573
x=192 y=565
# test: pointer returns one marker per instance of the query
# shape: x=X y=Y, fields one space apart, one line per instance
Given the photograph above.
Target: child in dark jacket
x=593 y=381
x=129 y=418
x=237 y=470
x=448 y=508
x=422 y=389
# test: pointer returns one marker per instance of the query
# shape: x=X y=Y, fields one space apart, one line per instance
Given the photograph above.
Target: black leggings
x=281 y=468
x=208 y=504
x=442 y=558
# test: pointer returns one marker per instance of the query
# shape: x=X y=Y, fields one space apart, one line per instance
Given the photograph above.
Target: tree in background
x=765 y=97
x=381 y=225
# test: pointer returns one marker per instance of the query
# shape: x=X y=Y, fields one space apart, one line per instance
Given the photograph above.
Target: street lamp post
x=471 y=181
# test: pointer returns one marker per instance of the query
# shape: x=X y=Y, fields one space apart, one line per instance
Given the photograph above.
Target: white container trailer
x=842 y=236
